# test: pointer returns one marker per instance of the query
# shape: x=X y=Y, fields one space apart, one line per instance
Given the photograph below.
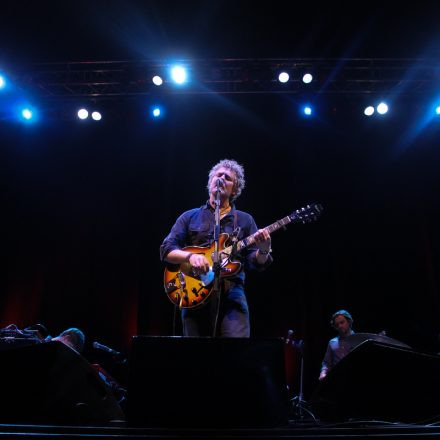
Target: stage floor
x=293 y=430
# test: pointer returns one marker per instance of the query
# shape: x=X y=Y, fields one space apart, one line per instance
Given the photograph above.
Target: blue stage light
x=179 y=74
x=156 y=112
x=27 y=114
x=2 y=82
x=307 y=110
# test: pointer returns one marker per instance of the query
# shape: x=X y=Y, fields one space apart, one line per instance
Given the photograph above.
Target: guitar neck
x=248 y=241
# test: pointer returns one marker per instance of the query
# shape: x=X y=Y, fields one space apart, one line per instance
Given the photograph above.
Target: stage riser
x=206 y=382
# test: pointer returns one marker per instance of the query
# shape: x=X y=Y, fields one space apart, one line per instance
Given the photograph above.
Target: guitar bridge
x=181 y=280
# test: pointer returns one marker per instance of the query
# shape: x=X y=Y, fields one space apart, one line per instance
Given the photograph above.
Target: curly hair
x=234 y=166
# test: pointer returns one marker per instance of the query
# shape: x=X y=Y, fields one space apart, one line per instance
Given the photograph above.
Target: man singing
x=196 y=228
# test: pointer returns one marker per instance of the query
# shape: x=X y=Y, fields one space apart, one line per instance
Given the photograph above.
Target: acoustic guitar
x=187 y=290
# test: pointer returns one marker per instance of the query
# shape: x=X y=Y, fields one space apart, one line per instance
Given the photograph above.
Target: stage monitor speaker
x=382 y=382
x=206 y=382
x=49 y=383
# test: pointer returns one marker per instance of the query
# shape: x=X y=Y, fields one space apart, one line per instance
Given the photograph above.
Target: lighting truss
x=123 y=79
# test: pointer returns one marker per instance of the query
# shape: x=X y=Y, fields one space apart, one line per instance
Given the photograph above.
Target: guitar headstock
x=307 y=213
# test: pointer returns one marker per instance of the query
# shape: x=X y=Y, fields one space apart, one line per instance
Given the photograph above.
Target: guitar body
x=188 y=291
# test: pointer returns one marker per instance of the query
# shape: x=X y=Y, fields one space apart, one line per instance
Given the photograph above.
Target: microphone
x=102 y=347
x=220 y=182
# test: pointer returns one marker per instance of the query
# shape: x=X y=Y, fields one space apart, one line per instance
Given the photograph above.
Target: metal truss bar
x=100 y=79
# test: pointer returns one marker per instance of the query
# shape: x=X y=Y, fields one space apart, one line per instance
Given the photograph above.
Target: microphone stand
x=299 y=404
x=216 y=263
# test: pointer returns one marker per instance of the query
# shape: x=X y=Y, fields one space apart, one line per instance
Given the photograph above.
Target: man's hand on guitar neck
x=263 y=243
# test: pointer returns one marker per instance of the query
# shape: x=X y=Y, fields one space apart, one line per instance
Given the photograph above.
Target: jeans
x=233 y=319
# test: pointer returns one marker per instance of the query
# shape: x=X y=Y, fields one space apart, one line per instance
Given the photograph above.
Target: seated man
x=337 y=347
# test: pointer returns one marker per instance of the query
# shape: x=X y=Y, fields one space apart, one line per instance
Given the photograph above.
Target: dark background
x=144 y=29
x=86 y=206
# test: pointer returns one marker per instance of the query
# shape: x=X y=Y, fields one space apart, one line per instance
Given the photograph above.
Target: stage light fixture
x=27 y=114
x=382 y=108
x=179 y=74
x=83 y=113
x=283 y=77
x=96 y=116
x=307 y=78
x=307 y=110
x=156 y=112
x=437 y=110
x=2 y=82
x=157 y=80
x=368 y=111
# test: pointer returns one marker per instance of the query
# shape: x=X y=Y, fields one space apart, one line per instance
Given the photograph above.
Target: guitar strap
x=235 y=234
x=234 y=239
